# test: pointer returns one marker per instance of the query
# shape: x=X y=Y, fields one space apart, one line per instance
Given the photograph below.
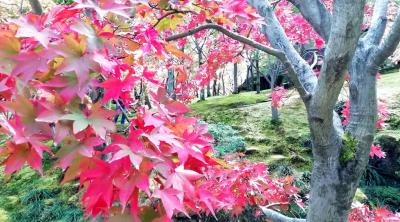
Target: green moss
x=360 y=196
x=27 y=196
x=221 y=103
x=349 y=148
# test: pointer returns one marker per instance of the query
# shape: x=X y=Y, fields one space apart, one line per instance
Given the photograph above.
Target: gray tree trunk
x=258 y=83
x=235 y=78
x=223 y=84
x=200 y=58
x=36 y=7
x=208 y=90
x=202 y=94
x=171 y=83
x=274 y=110
x=214 y=88
x=248 y=78
x=251 y=75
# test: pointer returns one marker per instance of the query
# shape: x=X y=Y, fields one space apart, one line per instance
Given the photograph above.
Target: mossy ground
x=26 y=196
x=250 y=114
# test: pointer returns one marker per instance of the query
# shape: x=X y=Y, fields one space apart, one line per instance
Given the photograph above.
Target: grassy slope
x=26 y=196
x=250 y=113
x=279 y=143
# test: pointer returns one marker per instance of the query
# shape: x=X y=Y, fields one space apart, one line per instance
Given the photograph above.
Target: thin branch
x=299 y=71
x=277 y=53
x=171 y=13
x=244 y=45
x=378 y=23
x=346 y=21
x=315 y=12
x=230 y=34
x=390 y=43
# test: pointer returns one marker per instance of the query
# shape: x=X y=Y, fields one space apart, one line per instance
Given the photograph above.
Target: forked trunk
x=335 y=177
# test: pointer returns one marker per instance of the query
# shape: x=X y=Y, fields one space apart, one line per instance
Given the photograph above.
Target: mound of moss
x=226 y=139
x=28 y=197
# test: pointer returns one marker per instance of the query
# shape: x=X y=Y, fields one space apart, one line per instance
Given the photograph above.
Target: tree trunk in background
x=200 y=57
x=223 y=84
x=36 y=7
x=219 y=83
x=235 y=79
x=208 y=90
x=258 y=83
x=248 y=79
x=251 y=75
x=202 y=94
x=274 y=110
x=214 y=90
x=171 y=84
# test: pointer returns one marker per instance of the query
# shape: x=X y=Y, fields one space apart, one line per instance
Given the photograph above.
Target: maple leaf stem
x=175 y=11
x=122 y=110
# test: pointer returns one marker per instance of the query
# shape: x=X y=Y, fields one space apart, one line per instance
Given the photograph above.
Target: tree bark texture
x=36 y=7
x=235 y=78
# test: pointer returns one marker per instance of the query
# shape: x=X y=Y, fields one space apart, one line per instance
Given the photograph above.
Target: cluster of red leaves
x=163 y=157
x=245 y=184
x=296 y=27
x=362 y=213
x=278 y=93
x=383 y=113
x=382 y=116
x=376 y=150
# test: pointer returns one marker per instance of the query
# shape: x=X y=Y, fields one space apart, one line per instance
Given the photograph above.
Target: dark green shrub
x=380 y=196
x=63 y=2
x=393 y=121
x=226 y=139
x=339 y=107
x=282 y=169
x=372 y=178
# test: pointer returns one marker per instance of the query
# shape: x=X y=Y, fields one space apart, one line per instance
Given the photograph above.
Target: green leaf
x=80 y=121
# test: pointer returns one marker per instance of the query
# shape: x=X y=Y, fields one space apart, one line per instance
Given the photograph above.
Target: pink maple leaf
x=376 y=150
x=32 y=26
x=170 y=201
x=104 y=7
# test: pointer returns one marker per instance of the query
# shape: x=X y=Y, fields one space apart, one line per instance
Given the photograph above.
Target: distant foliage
x=226 y=139
x=63 y=2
